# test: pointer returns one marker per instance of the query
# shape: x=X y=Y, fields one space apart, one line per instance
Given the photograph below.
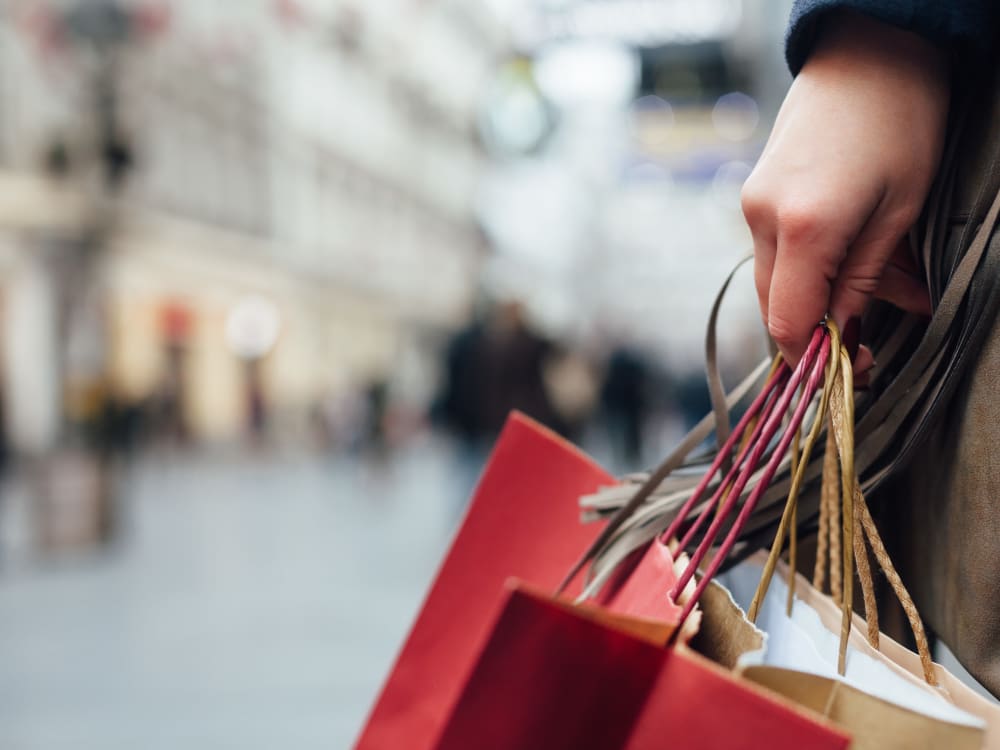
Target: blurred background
x=272 y=272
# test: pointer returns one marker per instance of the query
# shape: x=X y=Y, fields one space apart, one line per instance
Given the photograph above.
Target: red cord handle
x=770 y=406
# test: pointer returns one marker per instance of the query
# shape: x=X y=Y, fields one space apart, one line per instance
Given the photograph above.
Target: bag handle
x=825 y=369
x=851 y=520
x=916 y=392
x=810 y=372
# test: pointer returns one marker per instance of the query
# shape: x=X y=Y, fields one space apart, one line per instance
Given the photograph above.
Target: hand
x=844 y=175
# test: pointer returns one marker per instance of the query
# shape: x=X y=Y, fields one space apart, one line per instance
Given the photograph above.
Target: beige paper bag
x=726 y=635
x=896 y=656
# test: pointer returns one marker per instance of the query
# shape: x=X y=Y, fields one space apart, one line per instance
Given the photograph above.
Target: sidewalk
x=253 y=603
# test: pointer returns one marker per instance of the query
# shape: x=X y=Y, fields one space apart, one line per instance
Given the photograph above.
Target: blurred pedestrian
x=624 y=404
x=492 y=367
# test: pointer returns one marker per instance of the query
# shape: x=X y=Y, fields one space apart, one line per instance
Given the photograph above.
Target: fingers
x=810 y=249
x=857 y=281
x=763 y=267
x=904 y=290
x=792 y=288
x=757 y=212
x=866 y=269
x=798 y=248
x=812 y=273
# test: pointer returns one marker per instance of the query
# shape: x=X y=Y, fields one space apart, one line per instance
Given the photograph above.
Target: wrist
x=848 y=40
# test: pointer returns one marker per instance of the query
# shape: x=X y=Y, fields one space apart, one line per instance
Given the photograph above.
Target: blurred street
x=257 y=603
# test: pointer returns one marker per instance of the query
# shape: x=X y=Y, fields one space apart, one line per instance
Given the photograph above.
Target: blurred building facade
x=319 y=157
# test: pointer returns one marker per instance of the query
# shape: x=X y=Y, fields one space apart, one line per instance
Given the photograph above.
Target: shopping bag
x=896 y=657
x=521 y=665
x=641 y=586
x=874 y=723
x=558 y=676
x=880 y=707
x=523 y=521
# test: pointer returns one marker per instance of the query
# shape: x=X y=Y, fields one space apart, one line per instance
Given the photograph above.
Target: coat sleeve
x=964 y=27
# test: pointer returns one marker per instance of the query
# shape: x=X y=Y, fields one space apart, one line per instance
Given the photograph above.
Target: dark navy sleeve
x=964 y=27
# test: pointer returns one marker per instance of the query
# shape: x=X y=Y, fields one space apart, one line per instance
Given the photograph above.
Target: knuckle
x=754 y=201
x=800 y=222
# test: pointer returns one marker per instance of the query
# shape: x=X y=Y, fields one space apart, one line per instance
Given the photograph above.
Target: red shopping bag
x=553 y=676
x=525 y=670
x=523 y=521
x=641 y=586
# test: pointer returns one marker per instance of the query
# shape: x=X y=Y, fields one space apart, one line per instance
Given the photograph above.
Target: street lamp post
x=94 y=35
